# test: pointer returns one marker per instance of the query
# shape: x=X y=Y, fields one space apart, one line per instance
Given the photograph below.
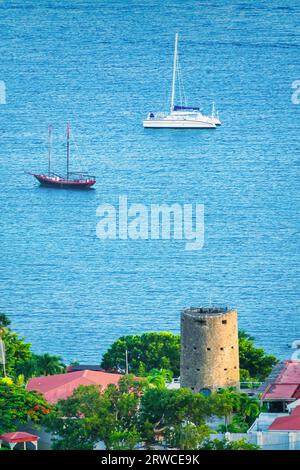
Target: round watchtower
x=209 y=349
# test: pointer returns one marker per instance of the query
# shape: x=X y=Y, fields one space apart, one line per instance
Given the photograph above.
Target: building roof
x=76 y=367
x=280 y=392
x=286 y=384
x=287 y=423
x=61 y=386
x=18 y=437
x=293 y=405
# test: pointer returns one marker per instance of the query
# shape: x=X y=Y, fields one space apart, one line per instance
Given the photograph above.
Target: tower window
x=195 y=348
x=202 y=322
x=225 y=369
x=224 y=322
x=222 y=349
x=208 y=349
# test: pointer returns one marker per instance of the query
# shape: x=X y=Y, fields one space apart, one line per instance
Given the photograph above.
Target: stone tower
x=209 y=349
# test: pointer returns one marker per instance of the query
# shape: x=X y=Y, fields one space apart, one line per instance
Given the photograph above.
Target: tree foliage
x=17 y=405
x=89 y=416
x=20 y=360
x=40 y=364
x=145 y=352
x=136 y=411
x=16 y=351
x=228 y=402
x=254 y=360
x=217 y=444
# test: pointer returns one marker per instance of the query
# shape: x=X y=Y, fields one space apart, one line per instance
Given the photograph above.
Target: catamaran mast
x=68 y=149
x=49 y=150
x=174 y=73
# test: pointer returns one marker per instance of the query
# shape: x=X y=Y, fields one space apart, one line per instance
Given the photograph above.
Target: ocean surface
x=103 y=65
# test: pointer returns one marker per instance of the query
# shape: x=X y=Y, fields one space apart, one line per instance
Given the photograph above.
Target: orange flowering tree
x=18 y=406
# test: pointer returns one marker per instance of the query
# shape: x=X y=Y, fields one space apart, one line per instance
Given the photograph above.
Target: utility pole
x=126 y=362
x=2 y=355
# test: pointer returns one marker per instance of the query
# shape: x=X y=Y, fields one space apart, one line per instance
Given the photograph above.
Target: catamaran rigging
x=181 y=116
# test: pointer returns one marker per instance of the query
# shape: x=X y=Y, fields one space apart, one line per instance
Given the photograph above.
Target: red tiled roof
x=290 y=373
x=61 y=386
x=286 y=385
x=287 y=423
x=280 y=392
x=18 y=437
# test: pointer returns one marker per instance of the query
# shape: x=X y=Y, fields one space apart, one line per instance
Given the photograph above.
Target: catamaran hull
x=64 y=184
x=155 y=123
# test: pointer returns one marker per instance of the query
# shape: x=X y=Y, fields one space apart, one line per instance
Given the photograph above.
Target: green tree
x=16 y=349
x=237 y=425
x=168 y=410
x=4 y=321
x=124 y=440
x=159 y=377
x=90 y=416
x=217 y=444
x=20 y=360
x=36 y=365
x=187 y=436
x=17 y=405
x=27 y=368
x=254 y=360
x=224 y=403
x=49 y=365
x=249 y=408
x=145 y=352
x=81 y=420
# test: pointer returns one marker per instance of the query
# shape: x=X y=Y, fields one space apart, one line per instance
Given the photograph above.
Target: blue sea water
x=103 y=65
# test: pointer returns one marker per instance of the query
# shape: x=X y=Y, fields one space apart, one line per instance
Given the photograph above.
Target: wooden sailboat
x=71 y=180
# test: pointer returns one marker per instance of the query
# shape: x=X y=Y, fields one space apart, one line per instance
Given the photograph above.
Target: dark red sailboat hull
x=64 y=183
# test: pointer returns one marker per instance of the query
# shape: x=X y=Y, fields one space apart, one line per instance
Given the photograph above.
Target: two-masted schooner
x=72 y=180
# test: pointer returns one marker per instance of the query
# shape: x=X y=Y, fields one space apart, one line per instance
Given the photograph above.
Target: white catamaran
x=181 y=116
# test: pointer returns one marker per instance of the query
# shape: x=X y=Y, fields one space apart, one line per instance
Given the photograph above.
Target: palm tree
x=249 y=407
x=27 y=368
x=158 y=377
x=224 y=403
x=4 y=322
x=49 y=365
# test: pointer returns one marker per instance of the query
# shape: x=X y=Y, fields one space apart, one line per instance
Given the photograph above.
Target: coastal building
x=290 y=422
x=79 y=367
x=61 y=386
x=209 y=349
x=282 y=386
x=276 y=431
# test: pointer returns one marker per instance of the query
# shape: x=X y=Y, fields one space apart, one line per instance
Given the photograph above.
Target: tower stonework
x=209 y=349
